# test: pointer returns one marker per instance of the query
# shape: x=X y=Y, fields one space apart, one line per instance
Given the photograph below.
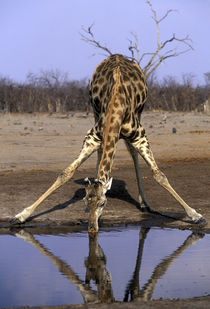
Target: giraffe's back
x=131 y=87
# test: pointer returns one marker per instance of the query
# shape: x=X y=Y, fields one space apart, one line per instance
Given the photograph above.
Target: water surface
x=119 y=265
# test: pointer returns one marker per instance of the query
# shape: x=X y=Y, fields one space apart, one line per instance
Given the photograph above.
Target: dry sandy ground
x=34 y=148
x=51 y=142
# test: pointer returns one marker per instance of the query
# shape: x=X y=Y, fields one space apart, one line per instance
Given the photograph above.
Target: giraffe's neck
x=111 y=129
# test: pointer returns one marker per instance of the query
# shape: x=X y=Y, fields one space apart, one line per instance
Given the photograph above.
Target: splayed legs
x=91 y=144
x=141 y=144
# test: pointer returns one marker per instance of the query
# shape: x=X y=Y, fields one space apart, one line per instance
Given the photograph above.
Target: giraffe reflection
x=95 y=265
x=133 y=288
x=95 y=269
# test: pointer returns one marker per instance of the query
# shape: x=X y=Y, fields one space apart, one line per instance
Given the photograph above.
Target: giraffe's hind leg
x=142 y=198
x=90 y=144
x=141 y=144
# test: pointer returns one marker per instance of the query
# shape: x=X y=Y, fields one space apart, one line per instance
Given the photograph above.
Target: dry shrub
x=52 y=91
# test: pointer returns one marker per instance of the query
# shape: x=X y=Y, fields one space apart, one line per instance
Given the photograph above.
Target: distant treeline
x=52 y=92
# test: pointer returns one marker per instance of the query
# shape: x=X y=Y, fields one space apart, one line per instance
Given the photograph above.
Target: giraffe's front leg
x=141 y=144
x=99 y=154
x=91 y=144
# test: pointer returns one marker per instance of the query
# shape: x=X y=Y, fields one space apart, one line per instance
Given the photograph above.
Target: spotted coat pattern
x=117 y=93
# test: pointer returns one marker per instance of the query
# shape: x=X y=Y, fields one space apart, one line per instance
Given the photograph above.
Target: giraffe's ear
x=87 y=181
x=109 y=184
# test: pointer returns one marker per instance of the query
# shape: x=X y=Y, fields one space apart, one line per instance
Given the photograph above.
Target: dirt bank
x=66 y=207
x=158 y=304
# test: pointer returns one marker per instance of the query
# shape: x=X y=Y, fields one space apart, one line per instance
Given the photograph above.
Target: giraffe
x=117 y=92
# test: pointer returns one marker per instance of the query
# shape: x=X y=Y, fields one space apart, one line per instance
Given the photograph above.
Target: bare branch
x=131 y=48
x=171 y=53
x=184 y=40
x=155 y=58
x=158 y=21
x=144 y=55
x=134 y=48
x=89 y=38
x=166 y=15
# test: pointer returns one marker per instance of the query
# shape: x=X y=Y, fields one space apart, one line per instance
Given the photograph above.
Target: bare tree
x=89 y=38
x=154 y=58
x=207 y=78
x=47 y=78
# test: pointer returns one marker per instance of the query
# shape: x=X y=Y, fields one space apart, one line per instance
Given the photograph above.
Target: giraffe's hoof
x=196 y=236
x=144 y=208
x=16 y=221
x=201 y=221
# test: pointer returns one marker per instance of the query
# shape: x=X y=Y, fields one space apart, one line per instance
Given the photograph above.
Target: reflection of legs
x=91 y=144
x=142 y=199
x=147 y=290
x=141 y=144
x=133 y=287
x=88 y=294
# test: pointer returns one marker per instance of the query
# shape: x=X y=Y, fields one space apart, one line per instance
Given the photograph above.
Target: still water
x=119 y=265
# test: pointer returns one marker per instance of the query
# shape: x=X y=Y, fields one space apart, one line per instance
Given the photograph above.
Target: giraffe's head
x=95 y=200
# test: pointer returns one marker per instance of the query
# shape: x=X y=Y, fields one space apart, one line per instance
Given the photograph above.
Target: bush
x=48 y=92
x=51 y=91
x=173 y=96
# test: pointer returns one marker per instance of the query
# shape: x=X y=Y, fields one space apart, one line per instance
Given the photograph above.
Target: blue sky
x=45 y=34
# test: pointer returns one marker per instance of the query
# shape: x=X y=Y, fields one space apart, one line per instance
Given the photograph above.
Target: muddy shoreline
x=65 y=207
x=158 y=304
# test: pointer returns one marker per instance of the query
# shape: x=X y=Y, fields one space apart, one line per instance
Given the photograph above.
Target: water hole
x=121 y=264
